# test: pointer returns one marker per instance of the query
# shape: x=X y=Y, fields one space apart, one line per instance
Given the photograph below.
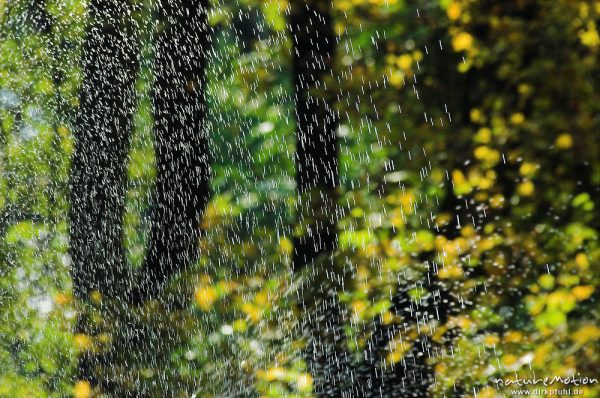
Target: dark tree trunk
x=314 y=42
x=102 y=134
x=311 y=29
x=98 y=171
x=183 y=172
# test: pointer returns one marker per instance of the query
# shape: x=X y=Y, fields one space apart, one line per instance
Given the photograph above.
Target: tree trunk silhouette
x=183 y=172
x=98 y=171
x=316 y=144
x=311 y=29
x=102 y=134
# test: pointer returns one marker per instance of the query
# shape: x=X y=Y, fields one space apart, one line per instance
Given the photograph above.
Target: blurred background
x=468 y=141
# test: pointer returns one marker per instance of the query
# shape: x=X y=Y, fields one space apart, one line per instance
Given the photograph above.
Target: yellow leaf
x=487 y=154
x=517 y=118
x=305 y=382
x=461 y=185
x=513 y=337
x=82 y=342
x=82 y=389
x=525 y=188
x=253 y=312
x=358 y=307
x=450 y=271
x=62 y=299
x=398 y=352
x=285 y=246
x=582 y=261
x=462 y=41
x=583 y=292
x=509 y=359
x=590 y=36
x=240 y=325
x=475 y=115
x=497 y=201
x=404 y=61
x=484 y=135
x=387 y=318
x=528 y=169
x=454 y=11
x=274 y=373
x=396 y=218
x=206 y=297
x=564 y=141
x=397 y=78
x=586 y=333
x=487 y=392
x=261 y=299
x=96 y=297
x=407 y=199
x=491 y=340
x=63 y=131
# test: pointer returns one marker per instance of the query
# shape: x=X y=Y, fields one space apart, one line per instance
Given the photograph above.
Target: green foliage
x=481 y=112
